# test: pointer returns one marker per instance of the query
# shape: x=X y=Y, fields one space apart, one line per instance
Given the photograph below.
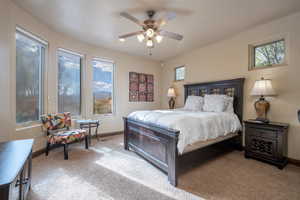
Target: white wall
x=124 y=64
x=229 y=59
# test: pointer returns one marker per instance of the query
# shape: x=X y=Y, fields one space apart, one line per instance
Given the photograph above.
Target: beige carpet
x=106 y=171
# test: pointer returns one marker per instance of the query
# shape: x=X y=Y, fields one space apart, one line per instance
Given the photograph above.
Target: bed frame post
x=173 y=162
x=239 y=141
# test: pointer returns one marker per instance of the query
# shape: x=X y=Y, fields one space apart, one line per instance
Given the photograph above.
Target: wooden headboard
x=234 y=88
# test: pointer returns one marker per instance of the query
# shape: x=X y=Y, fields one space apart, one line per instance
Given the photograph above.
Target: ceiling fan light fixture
x=122 y=39
x=150 y=43
x=140 y=37
x=159 y=38
x=150 y=32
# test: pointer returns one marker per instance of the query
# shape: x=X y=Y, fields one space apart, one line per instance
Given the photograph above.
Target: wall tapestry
x=141 y=87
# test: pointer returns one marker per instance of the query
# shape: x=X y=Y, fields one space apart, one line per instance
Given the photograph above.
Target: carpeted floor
x=107 y=172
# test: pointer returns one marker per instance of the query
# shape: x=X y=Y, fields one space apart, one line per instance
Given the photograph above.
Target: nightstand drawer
x=262 y=146
x=260 y=132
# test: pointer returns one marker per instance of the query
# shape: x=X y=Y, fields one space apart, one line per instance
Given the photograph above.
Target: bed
x=161 y=145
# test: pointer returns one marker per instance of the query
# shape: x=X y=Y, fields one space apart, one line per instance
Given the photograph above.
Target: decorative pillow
x=214 y=103
x=229 y=104
x=194 y=103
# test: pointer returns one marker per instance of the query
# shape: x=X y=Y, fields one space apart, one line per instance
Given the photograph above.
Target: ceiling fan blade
x=168 y=16
x=131 y=18
x=172 y=35
x=130 y=34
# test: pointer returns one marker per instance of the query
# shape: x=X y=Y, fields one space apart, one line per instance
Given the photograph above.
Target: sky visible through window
x=102 y=86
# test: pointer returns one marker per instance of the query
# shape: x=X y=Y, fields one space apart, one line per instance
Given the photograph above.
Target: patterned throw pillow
x=194 y=103
x=214 y=103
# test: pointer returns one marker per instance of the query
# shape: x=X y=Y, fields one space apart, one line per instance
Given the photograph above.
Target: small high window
x=268 y=54
x=179 y=73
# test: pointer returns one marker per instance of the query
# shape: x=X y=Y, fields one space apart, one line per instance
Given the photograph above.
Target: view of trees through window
x=69 y=82
x=102 y=86
x=270 y=54
x=29 y=63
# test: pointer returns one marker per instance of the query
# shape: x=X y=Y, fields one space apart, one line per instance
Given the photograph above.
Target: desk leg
x=96 y=132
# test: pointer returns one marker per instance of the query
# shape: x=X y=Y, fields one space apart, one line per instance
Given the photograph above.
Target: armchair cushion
x=65 y=137
x=56 y=121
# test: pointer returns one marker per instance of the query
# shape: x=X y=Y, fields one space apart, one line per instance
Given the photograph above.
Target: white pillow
x=229 y=104
x=214 y=103
x=194 y=103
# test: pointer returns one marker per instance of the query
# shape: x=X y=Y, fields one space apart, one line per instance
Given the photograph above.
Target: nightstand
x=266 y=142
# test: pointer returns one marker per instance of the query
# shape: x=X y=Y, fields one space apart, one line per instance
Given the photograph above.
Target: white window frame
x=175 y=71
x=43 y=79
x=82 y=60
x=113 y=88
x=251 y=52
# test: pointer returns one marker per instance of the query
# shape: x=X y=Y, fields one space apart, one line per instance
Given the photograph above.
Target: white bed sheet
x=193 y=126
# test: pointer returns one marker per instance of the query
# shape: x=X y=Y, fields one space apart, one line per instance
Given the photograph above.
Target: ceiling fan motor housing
x=150 y=13
x=149 y=23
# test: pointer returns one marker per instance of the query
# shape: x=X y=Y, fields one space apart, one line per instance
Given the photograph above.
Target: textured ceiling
x=200 y=21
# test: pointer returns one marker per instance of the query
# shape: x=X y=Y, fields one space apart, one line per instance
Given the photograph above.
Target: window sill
x=24 y=127
x=267 y=67
x=101 y=116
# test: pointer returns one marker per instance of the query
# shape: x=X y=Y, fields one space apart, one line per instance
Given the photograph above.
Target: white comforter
x=193 y=126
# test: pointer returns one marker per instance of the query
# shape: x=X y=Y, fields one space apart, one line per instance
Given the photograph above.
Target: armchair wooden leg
x=47 y=148
x=87 y=142
x=66 y=156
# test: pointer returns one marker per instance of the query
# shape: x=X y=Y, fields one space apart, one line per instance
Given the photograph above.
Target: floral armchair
x=57 y=127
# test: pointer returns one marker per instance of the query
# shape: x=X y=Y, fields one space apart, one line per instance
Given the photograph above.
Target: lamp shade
x=263 y=87
x=171 y=92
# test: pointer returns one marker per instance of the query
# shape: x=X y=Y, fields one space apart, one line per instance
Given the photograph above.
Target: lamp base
x=262 y=107
x=171 y=103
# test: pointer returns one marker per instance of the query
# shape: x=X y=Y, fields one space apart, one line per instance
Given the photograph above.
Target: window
x=30 y=61
x=179 y=73
x=268 y=54
x=103 y=86
x=69 y=82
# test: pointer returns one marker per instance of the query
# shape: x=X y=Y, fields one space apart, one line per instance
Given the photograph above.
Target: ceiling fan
x=151 y=29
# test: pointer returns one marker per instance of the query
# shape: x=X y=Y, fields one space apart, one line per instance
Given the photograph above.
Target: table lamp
x=262 y=88
x=171 y=95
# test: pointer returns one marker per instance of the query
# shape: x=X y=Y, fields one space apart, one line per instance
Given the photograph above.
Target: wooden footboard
x=156 y=144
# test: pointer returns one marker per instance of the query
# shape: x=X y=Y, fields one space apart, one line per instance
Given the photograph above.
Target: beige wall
x=229 y=59
x=124 y=64
x=5 y=114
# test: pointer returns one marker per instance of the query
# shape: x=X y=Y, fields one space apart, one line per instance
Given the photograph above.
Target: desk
x=89 y=124
x=15 y=169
